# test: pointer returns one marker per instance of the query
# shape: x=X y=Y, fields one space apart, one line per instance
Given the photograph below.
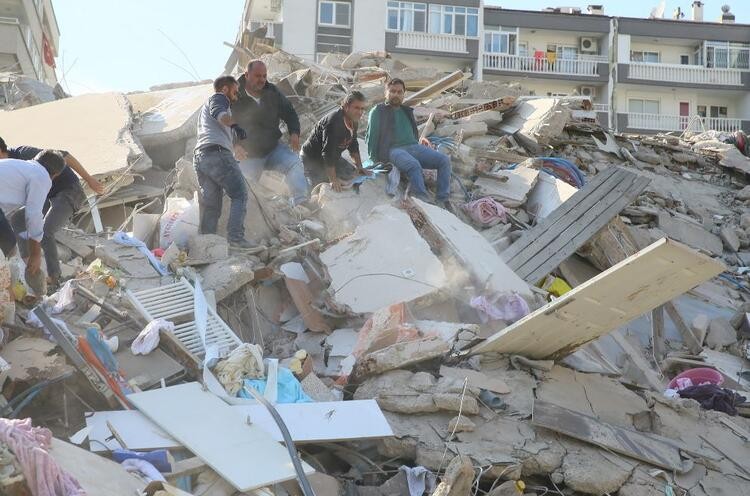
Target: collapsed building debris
x=517 y=345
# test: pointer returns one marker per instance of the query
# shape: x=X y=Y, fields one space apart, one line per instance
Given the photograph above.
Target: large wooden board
x=648 y=448
x=242 y=453
x=556 y=237
x=638 y=284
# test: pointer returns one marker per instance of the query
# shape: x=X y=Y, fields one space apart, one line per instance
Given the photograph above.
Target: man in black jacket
x=334 y=133
x=259 y=109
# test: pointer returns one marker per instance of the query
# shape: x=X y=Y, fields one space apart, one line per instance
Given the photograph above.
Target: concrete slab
x=509 y=187
x=693 y=235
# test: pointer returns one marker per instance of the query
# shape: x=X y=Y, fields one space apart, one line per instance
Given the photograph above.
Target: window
x=334 y=14
x=501 y=41
x=638 y=106
x=685 y=59
x=702 y=110
x=725 y=55
x=641 y=56
x=718 y=111
x=407 y=16
x=462 y=21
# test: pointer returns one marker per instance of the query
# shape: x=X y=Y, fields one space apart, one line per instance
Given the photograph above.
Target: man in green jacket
x=392 y=136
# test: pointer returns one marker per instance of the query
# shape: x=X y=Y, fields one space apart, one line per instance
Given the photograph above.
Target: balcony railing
x=517 y=63
x=659 y=122
x=432 y=42
x=601 y=107
x=693 y=74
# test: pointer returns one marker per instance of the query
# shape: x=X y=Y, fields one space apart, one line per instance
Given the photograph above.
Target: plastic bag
x=179 y=222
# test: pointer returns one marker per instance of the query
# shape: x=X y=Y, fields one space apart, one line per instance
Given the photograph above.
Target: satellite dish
x=725 y=8
x=658 y=11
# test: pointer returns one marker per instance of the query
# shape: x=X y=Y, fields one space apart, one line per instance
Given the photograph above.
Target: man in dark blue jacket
x=392 y=137
x=259 y=109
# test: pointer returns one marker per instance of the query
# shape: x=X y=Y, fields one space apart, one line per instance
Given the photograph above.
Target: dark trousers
x=316 y=173
x=60 y=209
x=7 y=236
x=218 y=172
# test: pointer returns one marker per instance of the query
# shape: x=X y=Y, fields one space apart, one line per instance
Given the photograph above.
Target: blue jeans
x=218 y=172
x=283 y=160
x=411 y=159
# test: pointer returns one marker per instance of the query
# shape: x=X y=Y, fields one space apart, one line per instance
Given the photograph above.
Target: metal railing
x=581 y=66
x=601 y=107
x=432 y=42
x=660 y=122
x=678 y=73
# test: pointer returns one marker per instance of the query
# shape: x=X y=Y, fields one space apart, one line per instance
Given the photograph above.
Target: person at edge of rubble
x=392 y=136
x=216 y=166
x=24 y=184
x=260 y=107
x=334 y=133
x=65 y=198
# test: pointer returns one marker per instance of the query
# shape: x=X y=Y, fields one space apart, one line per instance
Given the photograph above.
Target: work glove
x=239 y=132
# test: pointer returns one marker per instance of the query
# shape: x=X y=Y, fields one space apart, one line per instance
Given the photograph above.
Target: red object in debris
x=698 y=376
x=49 y=57
x=158 y=252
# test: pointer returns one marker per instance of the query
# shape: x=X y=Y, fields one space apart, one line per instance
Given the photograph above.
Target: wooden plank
x=446 y=83
x=243 y=454
x=638 y=284
x=331 y=421
x=476 y=379
x=657 y=333
x=137 y=431
x=595 y=190
x=582 y=230
x=688 y=337
x=648 y=448
x=636 y=358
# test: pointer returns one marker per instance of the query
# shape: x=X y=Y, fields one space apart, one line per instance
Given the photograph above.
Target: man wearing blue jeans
x=392 y=136
x=216 y=166
x=260 y=107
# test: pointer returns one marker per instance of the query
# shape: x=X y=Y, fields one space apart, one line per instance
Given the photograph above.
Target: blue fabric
x=122 y=238
x=411 y=159
x=101 y=349
x=289 y=390
x=218 y=104
x=284 y=161
x=157 y=458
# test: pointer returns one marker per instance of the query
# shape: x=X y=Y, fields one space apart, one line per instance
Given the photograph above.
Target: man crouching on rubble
x=65 y=198
x=24 y=184
x=333 y=134
x=216 y=167
x=392 y=136
x=259 y=108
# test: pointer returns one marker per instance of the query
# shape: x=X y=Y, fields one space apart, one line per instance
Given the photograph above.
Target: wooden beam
x=688 y=337
x=448 y=82
x=657 y=333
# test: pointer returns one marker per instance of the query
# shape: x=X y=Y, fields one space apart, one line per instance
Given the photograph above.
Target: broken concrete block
x=461 y=424
x=692 y=234
x=587 y=471
x=471 y=128
x=359 y=265
x=729 y=237
x=720 y=334
x=453 y=402
x=343 y=212
x=227 y=276
x=538 y=120
x=509 y=187
x=208 y=248
x=743 y=194
x=296 y=281
x=401 y=355
x=649 y=156
x=458 y=478
x=745 y=221
x=315 y=228
x=547 y=194
x=699 y=326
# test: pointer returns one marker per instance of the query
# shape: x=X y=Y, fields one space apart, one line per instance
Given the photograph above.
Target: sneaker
x=449 y=206
x=242 y=244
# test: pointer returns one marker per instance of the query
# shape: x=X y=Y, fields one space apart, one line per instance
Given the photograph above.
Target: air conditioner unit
x=587 y=91
x=589 y=45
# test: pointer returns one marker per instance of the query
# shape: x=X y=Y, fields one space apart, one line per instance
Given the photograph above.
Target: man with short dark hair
x=216 y=165
x=260 y=107
x=392 y=136
x=66 y=196
x=25 y=184
x=334 y=133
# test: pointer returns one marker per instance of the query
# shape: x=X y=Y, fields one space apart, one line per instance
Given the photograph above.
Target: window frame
x=406 y=6
x=451 y=11
x=512 y=39
x=643 y=56
x=335 y=4
x=643 y=104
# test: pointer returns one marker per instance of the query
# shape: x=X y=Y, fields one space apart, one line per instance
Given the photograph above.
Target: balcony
x=581 y=66
x=432 y=42
x=659 y=122
x=688 y=74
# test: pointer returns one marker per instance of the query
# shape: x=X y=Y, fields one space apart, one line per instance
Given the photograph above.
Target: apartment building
x=643 y=75
x=29 y=39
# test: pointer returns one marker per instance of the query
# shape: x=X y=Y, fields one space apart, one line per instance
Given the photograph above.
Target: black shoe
x=449 y=206
x=242 y=245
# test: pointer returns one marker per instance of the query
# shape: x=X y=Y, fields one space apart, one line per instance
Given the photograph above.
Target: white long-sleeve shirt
x=25 y=183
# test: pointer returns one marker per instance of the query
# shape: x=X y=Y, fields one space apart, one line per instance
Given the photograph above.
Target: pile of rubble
x=516 y=346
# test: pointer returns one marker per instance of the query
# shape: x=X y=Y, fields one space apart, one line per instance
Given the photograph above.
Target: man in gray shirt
x=216 y=167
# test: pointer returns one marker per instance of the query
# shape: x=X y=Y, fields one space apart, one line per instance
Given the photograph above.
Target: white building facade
x=29 y=39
